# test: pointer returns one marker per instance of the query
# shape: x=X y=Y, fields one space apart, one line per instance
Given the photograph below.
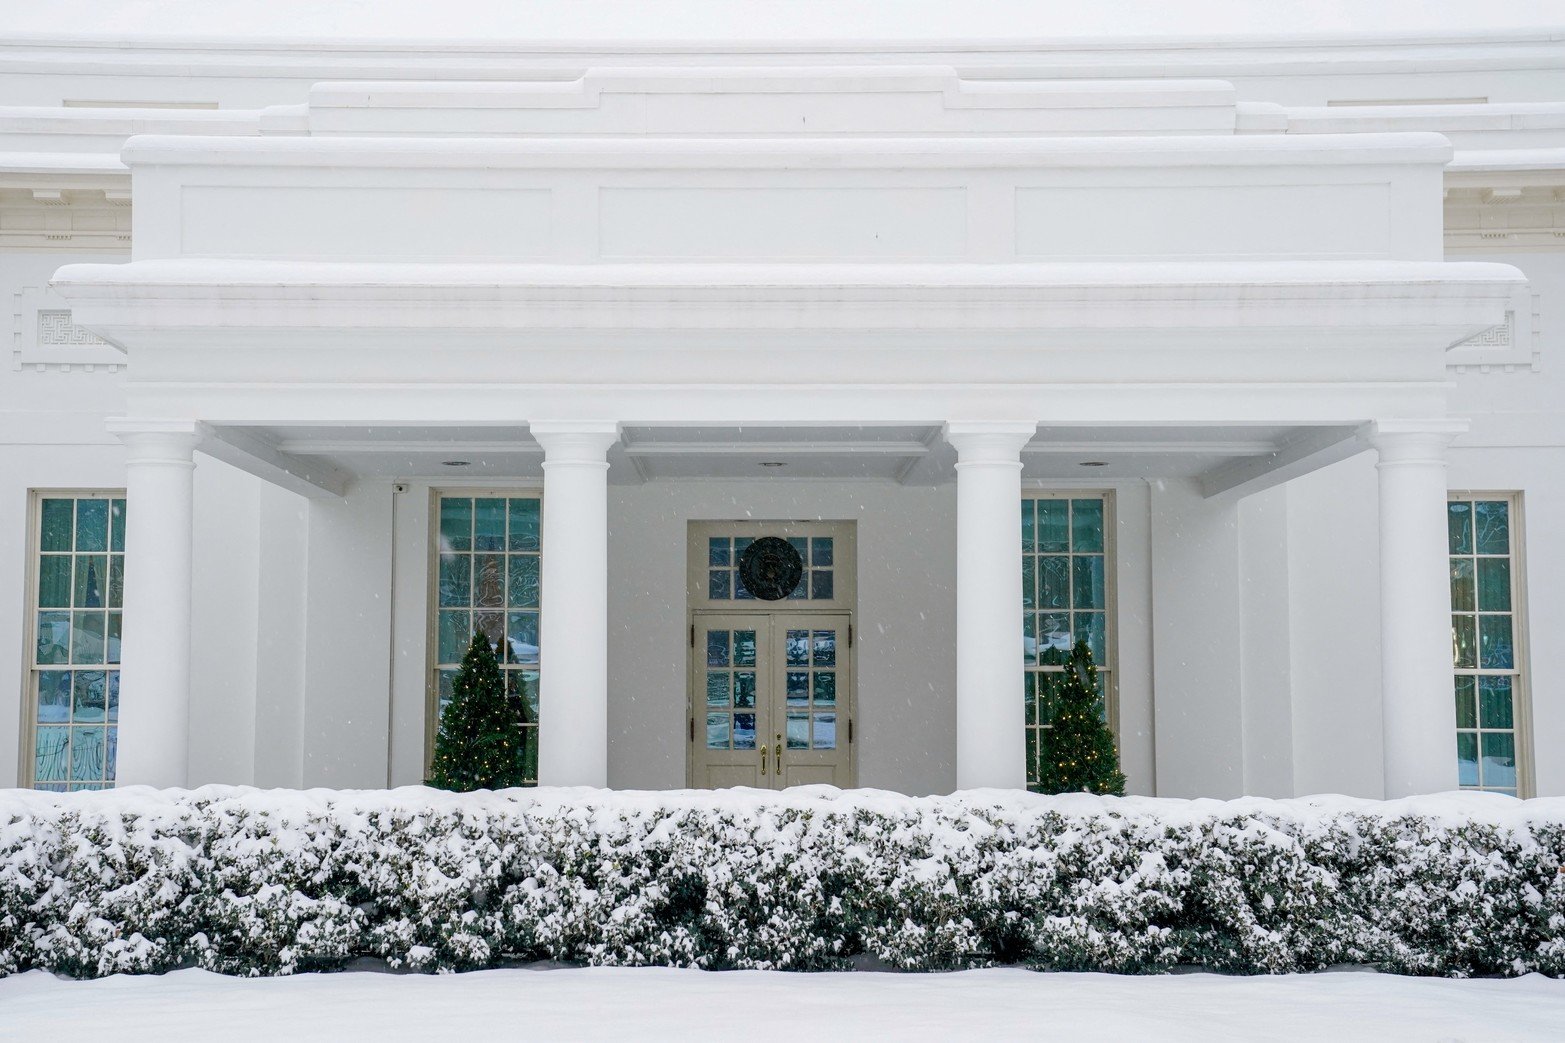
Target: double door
x=772 y=699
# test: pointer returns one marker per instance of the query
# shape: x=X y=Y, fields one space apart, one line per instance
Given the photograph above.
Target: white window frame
x=1108 y=669
x=521 y=490
x=26 y=762
x=1521 y=674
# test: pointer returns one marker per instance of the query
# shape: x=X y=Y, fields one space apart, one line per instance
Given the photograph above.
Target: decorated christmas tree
x=1079 y=752
x=481 y=738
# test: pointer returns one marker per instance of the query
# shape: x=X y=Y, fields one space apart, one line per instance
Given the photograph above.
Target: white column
x=573 y=700
x=990 y=740
x=154 y=714
x=1417 y=708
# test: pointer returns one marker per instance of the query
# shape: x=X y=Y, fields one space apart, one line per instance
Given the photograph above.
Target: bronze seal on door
x=771 y=568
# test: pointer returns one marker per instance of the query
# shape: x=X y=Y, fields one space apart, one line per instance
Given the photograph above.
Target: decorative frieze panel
x=49 y=218
x=1512 y=211
x=1513 y=345
x=44 y=337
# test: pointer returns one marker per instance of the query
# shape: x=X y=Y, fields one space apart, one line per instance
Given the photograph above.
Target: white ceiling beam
x=313 y=478
x=1316 y=448
x=635 y=449
x=334 y=446
x=1253 y=447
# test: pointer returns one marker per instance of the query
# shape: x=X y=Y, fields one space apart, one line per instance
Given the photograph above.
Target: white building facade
x=781 y=413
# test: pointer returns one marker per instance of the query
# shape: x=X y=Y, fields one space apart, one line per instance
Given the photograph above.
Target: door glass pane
x=717 y=648
x=717 y=731
x=798 y=731
x=717 y=688
x=825 y=648
x=798 y=648
x=798 y=686
x=825 y=737
x=744 y=731
x=744 y=647
x=825 y=687
x=744 y=689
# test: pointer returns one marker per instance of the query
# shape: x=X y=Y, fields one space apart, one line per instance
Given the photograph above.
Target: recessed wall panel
x=382 y=224
x=1203 y=222
x=775 y=223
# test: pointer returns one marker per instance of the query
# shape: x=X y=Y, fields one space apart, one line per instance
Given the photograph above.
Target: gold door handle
x=763 y=758
x=777 y=764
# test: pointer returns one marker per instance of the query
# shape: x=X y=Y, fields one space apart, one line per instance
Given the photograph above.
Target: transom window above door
x=817 y=561
x=819 y=553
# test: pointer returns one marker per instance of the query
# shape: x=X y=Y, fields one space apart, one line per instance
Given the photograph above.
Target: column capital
x=989 y=441
x=1412 y=441
x=574 y=441
x=157 y=439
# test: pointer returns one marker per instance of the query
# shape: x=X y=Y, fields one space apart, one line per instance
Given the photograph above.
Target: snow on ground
x=654 y=1003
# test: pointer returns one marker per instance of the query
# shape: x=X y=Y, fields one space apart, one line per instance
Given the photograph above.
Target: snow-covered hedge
x=271 y=882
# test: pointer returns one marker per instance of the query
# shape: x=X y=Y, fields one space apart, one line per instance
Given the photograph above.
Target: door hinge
x=850 y=635
x=692 y=635
x=850 y=731
x=693 y=729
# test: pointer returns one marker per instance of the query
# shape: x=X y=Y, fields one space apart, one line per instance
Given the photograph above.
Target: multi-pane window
x=487 y=565
x=731 y=689
x=818 y=554
x=1066 y=581
x=77 y=614
x=1485 y=631
x=811 y=689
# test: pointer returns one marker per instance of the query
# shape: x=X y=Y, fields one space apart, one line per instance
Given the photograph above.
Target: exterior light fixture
x=455 y=463
x=1094 y=463
x=774 y=463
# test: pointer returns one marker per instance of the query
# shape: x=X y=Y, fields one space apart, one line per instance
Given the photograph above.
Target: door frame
x=843 y=602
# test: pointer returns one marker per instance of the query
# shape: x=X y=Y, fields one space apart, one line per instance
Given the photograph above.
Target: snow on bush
x=252 y=882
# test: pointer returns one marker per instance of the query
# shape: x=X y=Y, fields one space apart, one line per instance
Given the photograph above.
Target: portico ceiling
x=912 y=454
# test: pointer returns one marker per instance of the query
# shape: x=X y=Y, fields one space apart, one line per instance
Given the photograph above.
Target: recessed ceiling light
x=455 y=463
x=1094 y=463
x=774 y=463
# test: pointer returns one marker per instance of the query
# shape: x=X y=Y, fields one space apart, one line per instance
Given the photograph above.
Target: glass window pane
x=524 y=524
x=1494 y=643
x=821 y=585
x=1029 y=581
x=1029 y=638
x=117 y=525
x=717 y=731
x=113 y=709
x=1492 y=526
x=822 y=552
x=1032 y=756
x=1499 y=759
x=92 y=580
x=54 y=638
x=798 y=686
x=744 y=689
x=92 y=524
x=1053 y=526
x=492 y=626
x=798 y=648
x=744 y=647
x=111 y=765
x=489 y=581
x=1494 y=584
x=1030 y=696
x=1086 y=526
x=717 y=584
x=825 y=648
x=1464 y=642
x=52 y=748
x=1054 y=634
x=521 y=638
x=111 y=642
x=456 y=580
x=825 y=731
x=717 y=648
x=801 y=546
x=798 y=731
x=54 y=696
x=1029 y=540
x=530 y=755
x=1467 y=758
x=455 y=635
x=456 y=523
x=717 y=551
x=1494 y=703
x=1466 y=701
x=446 y=682
x=1054 y=582
x=744 y=731
x=1087 y=583
x=825 y=687
x=89 y=700
x=1089 y=627
x=54 y=581
x=717 y=688
x=87 y=637
x=116 y=580
x=57 y=525
x=489 y=524
x=522 y=591
x=87 y=754
x=1463 y=596
x=1459 y=527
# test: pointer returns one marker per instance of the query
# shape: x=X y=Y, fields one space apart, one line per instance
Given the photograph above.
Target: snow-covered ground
x=641 y=1004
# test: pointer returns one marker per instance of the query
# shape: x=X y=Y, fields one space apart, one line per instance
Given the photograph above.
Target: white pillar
x=990 y=738
x=573 y=698
x=1418 y=712
x=154 y=714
